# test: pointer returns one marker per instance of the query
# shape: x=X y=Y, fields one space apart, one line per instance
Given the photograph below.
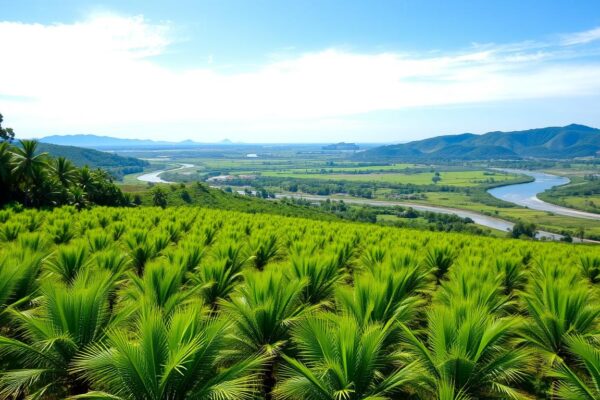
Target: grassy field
x=319 y=169
x=581 y=193
x=586 y=203
x=542 y=219
x=449 y=178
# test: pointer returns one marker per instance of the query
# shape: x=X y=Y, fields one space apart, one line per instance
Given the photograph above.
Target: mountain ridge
x=103 y=142
x=568 y=141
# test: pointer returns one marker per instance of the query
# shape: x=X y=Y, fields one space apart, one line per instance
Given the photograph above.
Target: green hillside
x=115 y=164
x=553 y=142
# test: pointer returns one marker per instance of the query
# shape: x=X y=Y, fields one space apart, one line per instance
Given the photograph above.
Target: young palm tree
x=590 y=268
x=263 y=311
x=385 y=295
x=512 y=274
x=264 y=249
x=112 y=260
x=218 y=280
x=439 y=260
x=68 y=319
x=321 y=274
x=477 y=287
x=69 y=262
x=557 y=309
x=18 y=279
x=582 y=383
x=168 y=357
x=162 y=286
x=341 y=359
x=468 y=353
x=141 y=250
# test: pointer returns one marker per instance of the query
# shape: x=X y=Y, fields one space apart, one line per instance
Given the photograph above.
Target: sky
x=297 y=71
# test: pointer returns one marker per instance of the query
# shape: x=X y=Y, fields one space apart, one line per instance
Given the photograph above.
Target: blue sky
x=297 y=71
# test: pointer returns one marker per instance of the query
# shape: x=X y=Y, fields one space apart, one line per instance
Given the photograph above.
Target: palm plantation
x=197 y=303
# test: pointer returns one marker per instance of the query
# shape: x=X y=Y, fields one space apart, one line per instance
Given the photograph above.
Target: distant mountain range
x=554 y=142
x=105 y=142
x=341 y=146
x=109 y=142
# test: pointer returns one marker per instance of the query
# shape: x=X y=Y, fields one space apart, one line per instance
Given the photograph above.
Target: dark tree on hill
x=159 y=197
x=6 y=134
x=523 y=229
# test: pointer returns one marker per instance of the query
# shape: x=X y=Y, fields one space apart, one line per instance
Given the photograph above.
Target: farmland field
x=450 y=178
x=215 y=301
x=309 y=171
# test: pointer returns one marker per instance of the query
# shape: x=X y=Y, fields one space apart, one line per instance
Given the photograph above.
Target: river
x=479 y=219
x=154 y=177
x=525 y=194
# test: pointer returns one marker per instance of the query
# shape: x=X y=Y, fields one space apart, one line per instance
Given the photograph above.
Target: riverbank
x=154 y=177
x=478 y=218
x=526 y=194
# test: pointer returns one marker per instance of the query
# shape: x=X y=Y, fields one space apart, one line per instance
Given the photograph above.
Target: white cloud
x=98 y=75
x=581 y=37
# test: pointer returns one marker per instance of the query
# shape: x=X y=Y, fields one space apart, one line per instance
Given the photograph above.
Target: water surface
x=154 y=177
x=525 y=194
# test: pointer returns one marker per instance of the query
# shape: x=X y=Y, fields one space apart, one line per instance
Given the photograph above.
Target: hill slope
x=196 y=295
x=115 y=164
x=553 y=142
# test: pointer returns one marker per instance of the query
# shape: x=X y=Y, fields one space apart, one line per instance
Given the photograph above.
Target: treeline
x=405 y=216
x=35 y=179
x=328 y=187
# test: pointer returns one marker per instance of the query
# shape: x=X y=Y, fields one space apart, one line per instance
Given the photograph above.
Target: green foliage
x=159 y=197
x=167 y=358
x=590 y=268
x=116 y=165
x=579 y=383
x=340 y=359
x=6 y=134
x=526 y=229
x=469 y=353
x=37 y=180
x=151 y=303
x=559 y=308
x=68 y=319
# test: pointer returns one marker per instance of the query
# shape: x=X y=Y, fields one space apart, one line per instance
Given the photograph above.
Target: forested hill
x=554 y=142
x=117 y=165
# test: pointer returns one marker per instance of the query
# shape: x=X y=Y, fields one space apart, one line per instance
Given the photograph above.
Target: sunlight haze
x=322 y=73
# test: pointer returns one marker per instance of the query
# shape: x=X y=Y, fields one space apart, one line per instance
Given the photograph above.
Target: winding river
x=154 y=177
x=525 y=194
x=479 y=219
